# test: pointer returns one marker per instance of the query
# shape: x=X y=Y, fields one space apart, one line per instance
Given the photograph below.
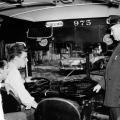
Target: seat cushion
x=16 y=116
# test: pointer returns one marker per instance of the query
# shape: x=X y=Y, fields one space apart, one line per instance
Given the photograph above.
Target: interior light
x=54 y=24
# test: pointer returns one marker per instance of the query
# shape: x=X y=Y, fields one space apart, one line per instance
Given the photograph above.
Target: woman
x=18 y=59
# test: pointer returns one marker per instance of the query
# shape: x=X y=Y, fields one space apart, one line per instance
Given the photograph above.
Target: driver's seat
x=10 y=102
x=12 y=106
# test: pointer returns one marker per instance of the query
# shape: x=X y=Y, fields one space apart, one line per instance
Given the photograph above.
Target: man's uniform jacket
x=112 y=80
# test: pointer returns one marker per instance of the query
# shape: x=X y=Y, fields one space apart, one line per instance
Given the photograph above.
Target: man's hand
x=97 y=88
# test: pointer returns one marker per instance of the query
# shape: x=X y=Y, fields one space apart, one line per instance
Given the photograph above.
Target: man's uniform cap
x=113 y=19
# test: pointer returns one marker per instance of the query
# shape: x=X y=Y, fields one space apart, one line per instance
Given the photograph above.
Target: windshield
x=14 y=4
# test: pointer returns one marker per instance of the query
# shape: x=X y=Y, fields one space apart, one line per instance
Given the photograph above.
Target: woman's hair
x=2 y=64
x=16 y=50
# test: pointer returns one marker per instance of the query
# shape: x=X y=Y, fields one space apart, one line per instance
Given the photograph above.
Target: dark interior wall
x=13 y=30
x=86 y=36
x=81 y=32
x=81 y=37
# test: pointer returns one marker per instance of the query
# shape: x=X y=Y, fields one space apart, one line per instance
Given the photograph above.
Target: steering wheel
x=38 y=88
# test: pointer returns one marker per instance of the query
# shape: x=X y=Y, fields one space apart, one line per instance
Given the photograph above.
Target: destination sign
x=87 y=22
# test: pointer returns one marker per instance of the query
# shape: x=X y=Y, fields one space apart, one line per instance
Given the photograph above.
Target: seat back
x=57 y=109
x=10 y=102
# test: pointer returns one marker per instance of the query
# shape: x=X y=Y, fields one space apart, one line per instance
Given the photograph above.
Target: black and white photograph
x=59 y=60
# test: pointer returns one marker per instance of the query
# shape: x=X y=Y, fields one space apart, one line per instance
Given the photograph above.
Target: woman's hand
x=97 y=88
x=2 y=85
x=29 y=80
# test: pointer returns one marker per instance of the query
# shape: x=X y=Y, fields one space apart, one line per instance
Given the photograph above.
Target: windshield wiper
x=24 y=4
x=12 y=1
x=108 y=1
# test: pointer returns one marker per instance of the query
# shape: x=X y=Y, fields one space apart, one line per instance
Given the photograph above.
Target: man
x=18 y=59
x=112 y=74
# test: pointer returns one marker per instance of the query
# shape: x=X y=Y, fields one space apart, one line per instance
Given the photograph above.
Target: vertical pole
x=29 y=64
x=87 y=66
